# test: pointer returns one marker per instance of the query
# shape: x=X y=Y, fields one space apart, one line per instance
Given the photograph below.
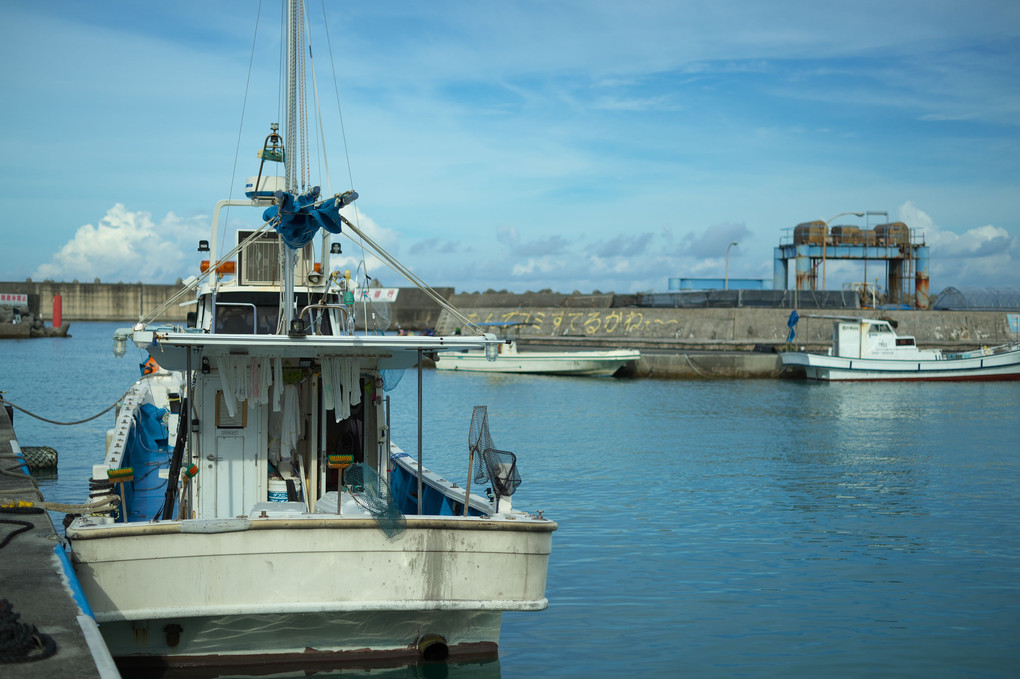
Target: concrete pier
x=33 y=580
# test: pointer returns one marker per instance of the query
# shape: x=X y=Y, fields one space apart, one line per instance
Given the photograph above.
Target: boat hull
x=587 y=363
x=1001 y=366
x=200 y=591
x=302 y=639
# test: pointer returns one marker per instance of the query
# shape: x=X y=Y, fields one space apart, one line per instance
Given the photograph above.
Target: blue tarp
x=300 y=218
x=146 y=453
x=792 y=324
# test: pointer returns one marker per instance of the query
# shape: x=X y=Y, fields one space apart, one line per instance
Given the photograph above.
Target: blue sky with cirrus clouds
x=582 y=145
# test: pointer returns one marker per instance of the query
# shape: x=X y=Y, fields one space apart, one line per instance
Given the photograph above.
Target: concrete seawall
x=98 y=301
x=726 y=329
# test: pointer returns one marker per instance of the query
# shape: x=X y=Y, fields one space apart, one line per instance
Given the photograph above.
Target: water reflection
x=481 y=669
x=719 y=528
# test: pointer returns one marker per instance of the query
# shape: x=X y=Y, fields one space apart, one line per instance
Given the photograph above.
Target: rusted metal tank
x=847 y=235
x=812 y=233
x=893 y=234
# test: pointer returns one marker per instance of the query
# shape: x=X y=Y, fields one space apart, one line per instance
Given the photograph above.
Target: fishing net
x=497 y=467
x=391 y=378
x=381 y=316
x=373 y=493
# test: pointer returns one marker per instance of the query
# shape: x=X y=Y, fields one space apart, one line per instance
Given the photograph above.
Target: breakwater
x=97 y=301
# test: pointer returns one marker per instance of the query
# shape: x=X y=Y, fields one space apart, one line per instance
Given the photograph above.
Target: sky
x=565 y=145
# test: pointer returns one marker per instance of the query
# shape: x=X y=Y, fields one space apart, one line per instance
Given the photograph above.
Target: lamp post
x=825 y=238
x=727 y=282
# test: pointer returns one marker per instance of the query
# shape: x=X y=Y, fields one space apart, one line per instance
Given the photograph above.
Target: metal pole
x=384 y=465
x=726 y=285
x=419 y=435
x=467 y=486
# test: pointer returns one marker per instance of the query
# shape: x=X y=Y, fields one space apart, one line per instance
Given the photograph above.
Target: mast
x=295 y=51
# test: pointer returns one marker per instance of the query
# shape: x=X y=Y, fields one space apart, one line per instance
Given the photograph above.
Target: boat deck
x=35 y=584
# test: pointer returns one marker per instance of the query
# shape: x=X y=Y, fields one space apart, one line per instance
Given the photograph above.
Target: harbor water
x=717 y=528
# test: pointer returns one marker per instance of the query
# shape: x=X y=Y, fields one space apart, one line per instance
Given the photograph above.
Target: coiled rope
x=20 y=642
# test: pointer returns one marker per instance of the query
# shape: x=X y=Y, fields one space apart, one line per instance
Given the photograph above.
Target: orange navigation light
x=223 y=269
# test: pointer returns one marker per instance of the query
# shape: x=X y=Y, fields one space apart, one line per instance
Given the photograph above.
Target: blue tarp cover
x=146 y=453
x=300 y=219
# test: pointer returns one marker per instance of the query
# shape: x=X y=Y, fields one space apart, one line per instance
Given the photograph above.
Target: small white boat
x=869 y=349
x=250 y=506
x=511 y=360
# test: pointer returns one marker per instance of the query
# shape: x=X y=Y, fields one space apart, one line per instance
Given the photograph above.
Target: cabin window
x=267 y=319
x=235 y=319
x=904 y=341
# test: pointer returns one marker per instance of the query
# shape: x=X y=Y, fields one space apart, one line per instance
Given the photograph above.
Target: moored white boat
x=870 y=349
x=264 y=514
x=511 y=360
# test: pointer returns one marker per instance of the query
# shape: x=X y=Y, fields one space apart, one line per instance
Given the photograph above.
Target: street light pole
x=825 y=239
x=727 y=283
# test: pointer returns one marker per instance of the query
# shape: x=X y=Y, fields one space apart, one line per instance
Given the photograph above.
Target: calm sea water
x=733 y=528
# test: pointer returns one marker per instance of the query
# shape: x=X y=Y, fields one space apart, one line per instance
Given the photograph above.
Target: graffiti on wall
x=607 y=322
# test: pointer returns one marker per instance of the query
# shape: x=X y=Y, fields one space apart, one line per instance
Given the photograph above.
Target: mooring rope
x=68 y=424
x=21 y=642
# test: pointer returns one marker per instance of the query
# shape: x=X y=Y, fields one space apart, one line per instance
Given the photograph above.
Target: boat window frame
x=254 y=318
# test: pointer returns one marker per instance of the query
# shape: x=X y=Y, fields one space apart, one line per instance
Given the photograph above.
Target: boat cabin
x=872 y=338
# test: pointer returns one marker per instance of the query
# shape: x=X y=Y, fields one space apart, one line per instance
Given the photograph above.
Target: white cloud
x=981 y=256
x=127 y=246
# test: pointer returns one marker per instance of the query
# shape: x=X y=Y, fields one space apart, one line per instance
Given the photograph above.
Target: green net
x=373 y=493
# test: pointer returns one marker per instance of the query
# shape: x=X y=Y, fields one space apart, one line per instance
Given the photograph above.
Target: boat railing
x=344 y=312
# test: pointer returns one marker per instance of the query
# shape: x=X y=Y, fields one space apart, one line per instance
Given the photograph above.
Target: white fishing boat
x=511 y=360
x=251 y=507
x=870 y=349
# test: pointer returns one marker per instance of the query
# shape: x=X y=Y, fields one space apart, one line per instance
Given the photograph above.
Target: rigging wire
x=240 y=127
x=347 y=153
x=336 y=90
x=213 y=267
x=412 y=277
x=318 y=110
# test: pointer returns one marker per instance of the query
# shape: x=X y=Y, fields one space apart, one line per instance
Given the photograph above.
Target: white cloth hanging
x=341 y=385
x=261 y=380
x=235 y=378
x=277 y=383
x=352 y=382
x=291 y=421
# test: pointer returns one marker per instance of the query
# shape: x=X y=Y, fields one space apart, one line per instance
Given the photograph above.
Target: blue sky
x=571 y=145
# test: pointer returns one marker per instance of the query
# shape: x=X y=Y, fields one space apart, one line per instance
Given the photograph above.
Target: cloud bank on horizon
x=573 y=146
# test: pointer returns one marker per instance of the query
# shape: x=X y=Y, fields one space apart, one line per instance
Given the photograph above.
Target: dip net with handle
x=493 y=466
